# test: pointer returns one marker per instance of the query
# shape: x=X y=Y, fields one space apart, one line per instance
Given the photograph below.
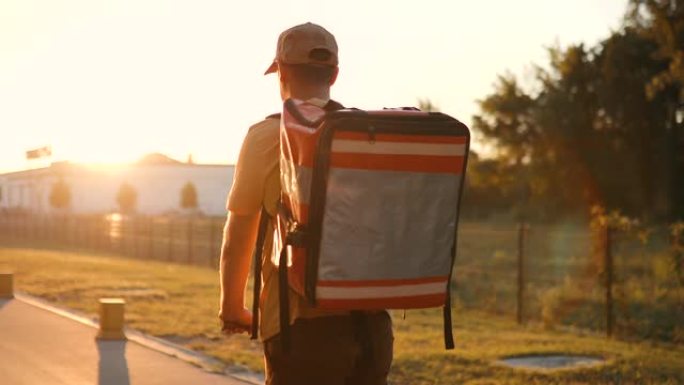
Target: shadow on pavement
x=112 y=366
x=4 y=302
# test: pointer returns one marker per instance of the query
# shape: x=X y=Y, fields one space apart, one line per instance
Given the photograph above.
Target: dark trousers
x=336 y=350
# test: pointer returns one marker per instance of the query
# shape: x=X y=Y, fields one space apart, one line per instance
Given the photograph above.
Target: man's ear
x=282 y=74
x=333 y=78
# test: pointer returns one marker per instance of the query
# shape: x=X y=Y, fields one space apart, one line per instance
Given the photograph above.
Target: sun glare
x=101 y=154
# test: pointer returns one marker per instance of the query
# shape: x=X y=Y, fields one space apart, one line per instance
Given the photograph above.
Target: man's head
x=306 y=62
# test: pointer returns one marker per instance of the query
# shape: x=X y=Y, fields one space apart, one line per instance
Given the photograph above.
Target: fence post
x=92 y=232
x=608 y=271
x=74 y=231
x=108 y=234
x=676 y=232
x=170 y=240
x=211 y=242
x=189 y=241
x=98 y=234
x=125 y=236
x=150 y=233
x=29 y=226
x=136 y=230
x=522 y=230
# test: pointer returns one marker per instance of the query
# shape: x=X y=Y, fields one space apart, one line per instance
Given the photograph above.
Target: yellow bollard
x=6 y=285
x=111 y=319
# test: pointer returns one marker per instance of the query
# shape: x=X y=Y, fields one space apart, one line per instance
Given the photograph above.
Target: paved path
x=38 y=347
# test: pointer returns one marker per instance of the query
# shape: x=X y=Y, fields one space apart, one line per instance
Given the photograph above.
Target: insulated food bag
x=369 y=211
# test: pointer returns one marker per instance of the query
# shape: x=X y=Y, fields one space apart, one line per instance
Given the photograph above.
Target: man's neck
x=302 y=94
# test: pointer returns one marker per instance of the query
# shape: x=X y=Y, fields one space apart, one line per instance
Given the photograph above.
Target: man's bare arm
x=239 y=236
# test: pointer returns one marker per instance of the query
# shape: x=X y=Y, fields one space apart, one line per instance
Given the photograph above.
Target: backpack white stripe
x=328 y=292
x=397 y=148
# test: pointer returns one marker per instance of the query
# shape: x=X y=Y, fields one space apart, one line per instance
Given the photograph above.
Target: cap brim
x=272 y=68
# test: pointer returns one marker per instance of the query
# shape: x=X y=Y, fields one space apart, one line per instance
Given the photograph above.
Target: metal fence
x=190 y=240
x=564 y=274
x=597 y=279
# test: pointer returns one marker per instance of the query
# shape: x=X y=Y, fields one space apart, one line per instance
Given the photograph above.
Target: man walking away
x=328 y=348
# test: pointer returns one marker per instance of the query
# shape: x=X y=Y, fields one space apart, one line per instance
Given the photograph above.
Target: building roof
x=157 y=158
x=153 y=159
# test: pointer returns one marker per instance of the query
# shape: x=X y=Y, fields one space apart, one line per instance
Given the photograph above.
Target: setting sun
x=182 y=77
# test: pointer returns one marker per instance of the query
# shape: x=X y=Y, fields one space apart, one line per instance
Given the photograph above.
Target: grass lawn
x=180 y=302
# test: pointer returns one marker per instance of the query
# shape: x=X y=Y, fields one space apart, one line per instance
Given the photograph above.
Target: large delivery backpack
x=369 y=210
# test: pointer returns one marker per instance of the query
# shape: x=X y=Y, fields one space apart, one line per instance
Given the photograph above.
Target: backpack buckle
x=296 y=235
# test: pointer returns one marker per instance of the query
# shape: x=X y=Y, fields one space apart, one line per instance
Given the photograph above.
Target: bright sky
x=108 y=81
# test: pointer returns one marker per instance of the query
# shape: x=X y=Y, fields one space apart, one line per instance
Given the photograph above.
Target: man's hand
x=239 y=236
x=235 y=321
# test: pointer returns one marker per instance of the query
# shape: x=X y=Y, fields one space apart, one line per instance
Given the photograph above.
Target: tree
x=427 y=106
x=506 y=121
x=188 y=199
x=662 y=22
x=572 y=152
x=60 y=195
x=637 y=124
x=591 y=134
x=127 y=198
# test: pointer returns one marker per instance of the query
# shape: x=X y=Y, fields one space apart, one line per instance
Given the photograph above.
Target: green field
x=180 y=302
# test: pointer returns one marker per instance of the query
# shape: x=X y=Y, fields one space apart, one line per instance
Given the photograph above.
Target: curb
x=168 y=348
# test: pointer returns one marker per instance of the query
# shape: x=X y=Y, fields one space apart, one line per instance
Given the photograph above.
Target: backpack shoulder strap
x=257 y=260
x=329 y=107
x=283 y=289
x=333 y=106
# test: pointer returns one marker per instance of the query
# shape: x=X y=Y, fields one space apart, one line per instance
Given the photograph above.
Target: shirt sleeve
x=258 y=157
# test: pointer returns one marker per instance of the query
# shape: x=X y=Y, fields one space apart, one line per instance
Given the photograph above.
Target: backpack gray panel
x=388 y=225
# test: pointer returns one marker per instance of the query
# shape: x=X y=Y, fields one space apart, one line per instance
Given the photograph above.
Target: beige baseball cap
x=303 y=44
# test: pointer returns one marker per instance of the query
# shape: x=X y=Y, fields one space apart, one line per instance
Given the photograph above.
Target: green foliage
x=677 y=250
x=427 y=106
x=615 y=220
x=188 y=198
x=507 y=120
x=599 y=127
x=663 y=22
x=558 y=301
x=127 y=198
x=60 y=195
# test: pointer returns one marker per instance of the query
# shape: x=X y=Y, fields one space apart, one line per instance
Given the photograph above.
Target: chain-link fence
x=570 y=274
x=191 y=240
x=603 y=279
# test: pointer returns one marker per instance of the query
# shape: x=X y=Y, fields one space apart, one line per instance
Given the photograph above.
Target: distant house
x=157 y=180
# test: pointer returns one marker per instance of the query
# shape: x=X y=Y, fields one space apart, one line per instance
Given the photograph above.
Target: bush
x=60 y=195
x=127 y=198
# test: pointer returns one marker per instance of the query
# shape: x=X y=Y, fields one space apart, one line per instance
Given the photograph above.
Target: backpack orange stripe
x=414 y=302
x=409 y=163
x=351 y=135
x=384 y=282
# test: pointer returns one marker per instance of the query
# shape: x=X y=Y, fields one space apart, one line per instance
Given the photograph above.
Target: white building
x=157 y=179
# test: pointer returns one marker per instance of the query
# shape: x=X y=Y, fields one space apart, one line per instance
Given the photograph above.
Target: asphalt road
x=39 y=347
